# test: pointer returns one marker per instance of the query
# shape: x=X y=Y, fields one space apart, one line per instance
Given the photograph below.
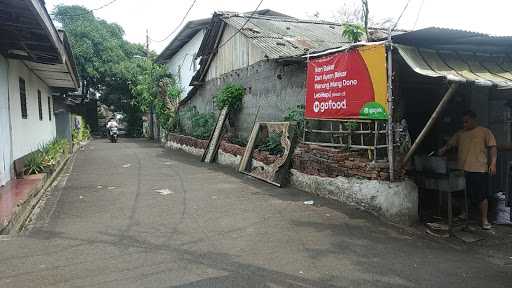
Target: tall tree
x=98 y=47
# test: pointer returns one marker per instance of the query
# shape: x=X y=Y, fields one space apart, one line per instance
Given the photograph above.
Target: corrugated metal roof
x=287 y=37
x=481 y=69
x=452 y=39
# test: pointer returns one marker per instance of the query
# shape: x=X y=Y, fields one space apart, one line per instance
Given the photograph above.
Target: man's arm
x=451 y=143
x=490 y=142
x=494 y=156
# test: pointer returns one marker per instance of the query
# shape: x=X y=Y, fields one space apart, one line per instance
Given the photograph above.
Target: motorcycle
x=114 y=134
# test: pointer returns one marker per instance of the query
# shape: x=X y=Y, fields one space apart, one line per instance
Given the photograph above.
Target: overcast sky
x=162 y=16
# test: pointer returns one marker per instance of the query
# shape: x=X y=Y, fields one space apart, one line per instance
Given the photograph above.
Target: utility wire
x=418 y=15
x=88 y=12
x=179 y=25
x=401 y=14
x=243 y=25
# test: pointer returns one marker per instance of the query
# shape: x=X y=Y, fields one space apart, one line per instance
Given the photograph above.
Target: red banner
x=340 y=85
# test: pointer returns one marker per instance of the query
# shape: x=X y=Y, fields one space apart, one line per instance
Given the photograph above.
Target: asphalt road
x=135 y=215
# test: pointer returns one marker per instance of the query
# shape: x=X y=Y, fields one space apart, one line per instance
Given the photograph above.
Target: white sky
x=162 y=16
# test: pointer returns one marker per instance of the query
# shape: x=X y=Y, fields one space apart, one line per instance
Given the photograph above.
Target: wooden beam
x=431 y=121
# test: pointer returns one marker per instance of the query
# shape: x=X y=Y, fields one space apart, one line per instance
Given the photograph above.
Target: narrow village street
x=133 y=214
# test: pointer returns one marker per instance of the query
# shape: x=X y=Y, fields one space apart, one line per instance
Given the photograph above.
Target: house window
x=49 y=108
x=23 y=99
x=39 y=105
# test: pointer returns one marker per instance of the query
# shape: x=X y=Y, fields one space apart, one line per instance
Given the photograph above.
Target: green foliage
x=202 y=124
x=353 y=32
x=106 y=62
x=98 y=46
x=34 y=163
x=153 y=86
x=273 y=144
x=47 y=156
x=237 y=140
x=82 y=134
x=230 y=96
x=296 y=115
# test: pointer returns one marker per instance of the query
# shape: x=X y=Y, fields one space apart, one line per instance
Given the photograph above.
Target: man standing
x=475 y=145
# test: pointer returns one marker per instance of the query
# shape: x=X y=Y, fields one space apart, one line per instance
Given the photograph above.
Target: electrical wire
x=177 y=27
x=418 y=15
x=401 y=14
x=243 y=25
x=88 y=12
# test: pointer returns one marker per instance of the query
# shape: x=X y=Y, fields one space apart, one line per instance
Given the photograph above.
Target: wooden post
x=431 y=121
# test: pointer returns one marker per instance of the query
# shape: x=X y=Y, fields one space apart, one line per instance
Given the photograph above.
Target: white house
x=180 y=55
x=35 y=63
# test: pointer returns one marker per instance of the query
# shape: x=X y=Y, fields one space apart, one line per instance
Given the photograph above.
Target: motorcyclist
x=112 y=123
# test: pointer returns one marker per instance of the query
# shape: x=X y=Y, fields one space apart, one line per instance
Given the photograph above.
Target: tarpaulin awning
x=481 y=69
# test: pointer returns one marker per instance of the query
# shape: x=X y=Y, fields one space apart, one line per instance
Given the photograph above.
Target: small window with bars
x=39 y=105
x=23 y=98
x=49 y=108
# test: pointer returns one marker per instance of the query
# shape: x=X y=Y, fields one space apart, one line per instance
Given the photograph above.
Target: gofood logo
x=329 y=105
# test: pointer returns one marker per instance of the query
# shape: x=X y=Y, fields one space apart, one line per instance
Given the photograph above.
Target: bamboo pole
x=431 y=121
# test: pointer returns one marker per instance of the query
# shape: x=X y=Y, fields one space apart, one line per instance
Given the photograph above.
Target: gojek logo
x=329 y=105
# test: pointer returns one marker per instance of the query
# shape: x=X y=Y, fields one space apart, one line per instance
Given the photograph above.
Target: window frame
x=40 y=104
x=23 y=97
x=49 y=108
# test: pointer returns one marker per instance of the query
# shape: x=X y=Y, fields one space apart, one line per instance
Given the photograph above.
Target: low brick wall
x=328 y=162
x=226 y=147
x=187 y=141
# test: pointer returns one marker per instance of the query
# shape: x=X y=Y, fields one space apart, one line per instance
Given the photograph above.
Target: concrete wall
x=273 y=87
x=5 y=139
x=182 y=63
x=28 y=134
x=396 y=202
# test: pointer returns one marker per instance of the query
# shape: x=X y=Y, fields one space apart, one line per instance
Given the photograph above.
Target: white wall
x=182 y=63
x=28 y=134
x=5 y=140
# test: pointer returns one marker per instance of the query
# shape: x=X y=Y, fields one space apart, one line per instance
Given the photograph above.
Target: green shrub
x=230 y=96
x=273 y=144
x=34 y=163
x=202 y=125
x=296 y=115
x=46 y=156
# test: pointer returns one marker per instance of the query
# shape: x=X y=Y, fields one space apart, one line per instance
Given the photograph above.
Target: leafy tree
x=122 y=73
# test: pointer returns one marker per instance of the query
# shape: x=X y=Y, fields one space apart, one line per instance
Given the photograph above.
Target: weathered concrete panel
x=273 y=87
x=396 y=202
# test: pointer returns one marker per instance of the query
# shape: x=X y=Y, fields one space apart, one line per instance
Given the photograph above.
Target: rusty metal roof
x=282 y=37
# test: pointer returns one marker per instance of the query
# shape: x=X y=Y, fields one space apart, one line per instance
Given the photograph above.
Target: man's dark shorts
x=477 y=186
